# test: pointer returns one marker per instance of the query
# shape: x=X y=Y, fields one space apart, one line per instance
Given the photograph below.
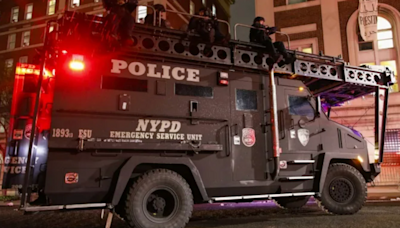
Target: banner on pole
x=368 y=19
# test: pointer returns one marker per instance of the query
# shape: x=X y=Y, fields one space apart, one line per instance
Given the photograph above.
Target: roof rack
x=329 y=77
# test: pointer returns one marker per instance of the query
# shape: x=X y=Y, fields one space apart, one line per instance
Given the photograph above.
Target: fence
x=390 y=174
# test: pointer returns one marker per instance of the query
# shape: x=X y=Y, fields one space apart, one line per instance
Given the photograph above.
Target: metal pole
x=235 y=31
x=274 y=121
x=34 y=122
x=109 y=218
x=377 y=124
x=287 y=36
x=383 y=130
x=154 y=13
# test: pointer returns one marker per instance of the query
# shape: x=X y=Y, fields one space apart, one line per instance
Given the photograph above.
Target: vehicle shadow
x=242 y=215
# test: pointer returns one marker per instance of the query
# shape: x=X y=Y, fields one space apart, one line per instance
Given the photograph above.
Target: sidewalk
x=384 y=192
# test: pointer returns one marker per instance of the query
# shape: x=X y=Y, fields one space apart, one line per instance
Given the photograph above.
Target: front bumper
x=375 y=170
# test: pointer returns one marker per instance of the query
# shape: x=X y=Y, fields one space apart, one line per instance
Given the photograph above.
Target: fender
x=127 y=170
x=344 y=156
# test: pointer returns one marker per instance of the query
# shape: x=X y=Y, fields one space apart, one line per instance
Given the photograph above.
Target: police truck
x=149 y=130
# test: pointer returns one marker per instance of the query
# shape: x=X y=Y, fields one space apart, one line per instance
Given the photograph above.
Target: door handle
x=282 y=130
x=235 y=129
x=193 y=107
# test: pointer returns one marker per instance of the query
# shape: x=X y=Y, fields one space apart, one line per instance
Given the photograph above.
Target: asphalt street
x=256 y=215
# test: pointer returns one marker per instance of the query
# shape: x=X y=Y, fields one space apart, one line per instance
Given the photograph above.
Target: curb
x=9 y=204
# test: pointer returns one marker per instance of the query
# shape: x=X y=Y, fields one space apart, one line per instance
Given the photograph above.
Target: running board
x=296 y=178
x=302 y=162
x=64 y=207
x=268 y=196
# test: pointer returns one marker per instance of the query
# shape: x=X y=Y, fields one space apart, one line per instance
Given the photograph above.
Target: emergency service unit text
x=156 y=129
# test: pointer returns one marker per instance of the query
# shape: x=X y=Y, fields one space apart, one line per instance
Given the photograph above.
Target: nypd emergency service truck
x=150 y=130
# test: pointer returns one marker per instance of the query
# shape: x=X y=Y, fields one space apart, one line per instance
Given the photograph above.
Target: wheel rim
x=160 y=204
x=341 y=190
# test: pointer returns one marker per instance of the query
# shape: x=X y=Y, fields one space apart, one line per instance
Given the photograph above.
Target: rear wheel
x=292 y=203
x=159 y=199
x=345 y=190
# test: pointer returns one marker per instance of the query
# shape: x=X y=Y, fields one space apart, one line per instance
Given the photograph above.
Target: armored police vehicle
x=148 y=131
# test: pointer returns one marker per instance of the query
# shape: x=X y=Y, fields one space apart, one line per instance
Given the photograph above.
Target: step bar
x=297 y=178
x=302 y=162
x=64 y=207
x=265 y=196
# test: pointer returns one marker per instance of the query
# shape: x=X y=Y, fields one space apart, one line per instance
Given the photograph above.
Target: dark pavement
x=256 y=215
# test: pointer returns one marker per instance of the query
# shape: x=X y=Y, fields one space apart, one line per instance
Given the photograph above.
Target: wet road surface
x=255 y=215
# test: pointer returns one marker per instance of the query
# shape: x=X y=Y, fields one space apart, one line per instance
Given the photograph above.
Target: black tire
x=345 y=190
x=159 y=189
x=292 y=203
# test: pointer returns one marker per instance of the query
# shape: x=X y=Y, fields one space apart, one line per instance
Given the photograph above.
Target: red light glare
x=64 y=52
x=76 y=65
x=223 y=82
x=25 y=70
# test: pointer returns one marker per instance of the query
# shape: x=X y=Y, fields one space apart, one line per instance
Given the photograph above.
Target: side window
x=246 y=100
x=300 y=106
x=193 y=90
x=127 y=84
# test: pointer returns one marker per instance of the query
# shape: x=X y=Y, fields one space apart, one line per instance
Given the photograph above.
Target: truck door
x=299 y=127
x=248 y=144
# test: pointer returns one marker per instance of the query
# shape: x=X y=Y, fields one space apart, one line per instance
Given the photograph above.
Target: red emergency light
x=24 y=69
x=222 y=79
x=29 y=69
x=77 y=63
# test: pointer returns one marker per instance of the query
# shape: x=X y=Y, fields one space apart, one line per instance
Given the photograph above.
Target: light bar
x=77 y=63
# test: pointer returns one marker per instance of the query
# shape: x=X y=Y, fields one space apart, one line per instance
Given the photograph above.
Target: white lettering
x=137 y=69
x=154 y=124
x=194 y=137
x=85 y=134
x=140 y=69
x=21 y=160
x=166 y=70
x=193 y=75
x=152 y=71
x=118 y=65
x=164 y=124
x=142 y=125
x=175 y=126
x=177 y=76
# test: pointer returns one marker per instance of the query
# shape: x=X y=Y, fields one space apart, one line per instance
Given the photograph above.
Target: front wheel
x=159 y=199
x=345 y=190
